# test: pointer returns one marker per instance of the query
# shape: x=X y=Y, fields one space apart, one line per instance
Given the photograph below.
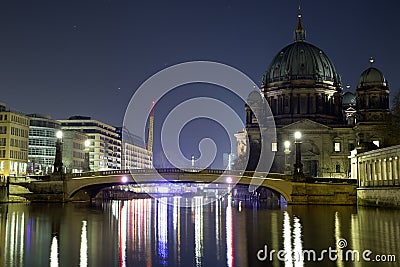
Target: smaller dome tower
x=372 y=96
x=372 y=108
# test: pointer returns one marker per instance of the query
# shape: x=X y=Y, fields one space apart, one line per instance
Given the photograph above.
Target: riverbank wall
x=323 y=194
x=379 y=197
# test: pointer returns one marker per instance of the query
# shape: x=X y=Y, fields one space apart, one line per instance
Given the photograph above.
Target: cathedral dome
x=372 y=76
x=301 y=61
x=301 y=83
x=349 y=99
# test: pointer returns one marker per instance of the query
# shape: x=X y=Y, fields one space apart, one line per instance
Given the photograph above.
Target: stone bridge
x=321 y=191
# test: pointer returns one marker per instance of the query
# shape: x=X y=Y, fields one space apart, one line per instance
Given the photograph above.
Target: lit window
x=337 y=147
x=376 y=142
x=274 y=146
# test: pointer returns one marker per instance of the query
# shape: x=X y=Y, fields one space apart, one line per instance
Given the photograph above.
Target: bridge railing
x=150 y=171
x=179 y=171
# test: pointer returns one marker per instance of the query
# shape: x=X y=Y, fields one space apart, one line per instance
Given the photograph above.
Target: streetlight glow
x=297 y=135
x=287 y=144
x=59 y=134
x=87 y=143
x=124 y=179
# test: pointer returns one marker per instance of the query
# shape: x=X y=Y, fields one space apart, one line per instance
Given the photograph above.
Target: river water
x=147 y=232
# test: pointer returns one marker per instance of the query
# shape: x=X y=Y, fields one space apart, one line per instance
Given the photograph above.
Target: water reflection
x=338 y=239
x=287 y=239
x=297 y=242
x=198 y=229
x=177 y=229
x=230 y=246
x=54 y=252
x=162 y=231
x=146 y=232
x=83 y=251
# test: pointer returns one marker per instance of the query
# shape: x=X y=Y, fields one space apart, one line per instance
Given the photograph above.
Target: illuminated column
x=390 y=171
x=380 y=171
x=373 y=162
x=384 y=171
x=370 y=169
x=363 y=174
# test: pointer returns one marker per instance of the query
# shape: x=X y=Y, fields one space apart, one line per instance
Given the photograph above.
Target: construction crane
x=151 y=126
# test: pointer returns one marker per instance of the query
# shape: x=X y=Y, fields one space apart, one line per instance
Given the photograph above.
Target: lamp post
x=287 y=152
x=58 y=165
x=86 y=166
x=298 y=174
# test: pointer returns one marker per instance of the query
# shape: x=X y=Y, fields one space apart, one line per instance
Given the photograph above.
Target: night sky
x=70 y=57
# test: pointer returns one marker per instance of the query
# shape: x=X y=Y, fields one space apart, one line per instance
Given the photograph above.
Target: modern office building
x=134 y=154
x=105 y=144
x=42 y=144
x=14 y=136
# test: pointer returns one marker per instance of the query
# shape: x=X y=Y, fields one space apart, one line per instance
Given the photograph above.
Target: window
x=3 y=129
x=337 y=146
x=274 y=146
x=337 y=167
x=351 y=146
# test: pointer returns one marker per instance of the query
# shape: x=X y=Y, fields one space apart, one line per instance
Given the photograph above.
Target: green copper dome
x=301 y=61
x=372 y=76
x=349 y=99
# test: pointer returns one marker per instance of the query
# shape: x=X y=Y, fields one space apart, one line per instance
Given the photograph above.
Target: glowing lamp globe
x=287 y=144
x=297 y=135
x=59 y=134
x=124 y=179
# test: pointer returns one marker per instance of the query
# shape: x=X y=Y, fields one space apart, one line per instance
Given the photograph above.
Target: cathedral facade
x=305 y=94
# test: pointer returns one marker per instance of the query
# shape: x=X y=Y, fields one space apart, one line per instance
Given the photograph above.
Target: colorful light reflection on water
x=146 y=232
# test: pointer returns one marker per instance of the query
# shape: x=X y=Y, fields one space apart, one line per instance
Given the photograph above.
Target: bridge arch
x=94 y=182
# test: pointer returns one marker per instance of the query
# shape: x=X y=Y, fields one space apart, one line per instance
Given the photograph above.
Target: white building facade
x=105 y=144
x=134 y=154
x=42 y=144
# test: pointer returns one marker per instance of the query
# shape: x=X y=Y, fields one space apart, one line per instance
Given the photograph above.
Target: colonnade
x=379 y=167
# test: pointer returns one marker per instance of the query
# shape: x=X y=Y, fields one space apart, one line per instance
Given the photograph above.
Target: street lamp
x=298 y=174
x=86 y=166
x=58 y=165
x=287 y=152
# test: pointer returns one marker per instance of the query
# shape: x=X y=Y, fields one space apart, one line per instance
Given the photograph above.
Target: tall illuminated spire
x=299 y=33
x=151 y=129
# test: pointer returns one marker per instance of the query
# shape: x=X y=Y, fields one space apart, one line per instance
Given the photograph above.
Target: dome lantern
x=299 y=33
